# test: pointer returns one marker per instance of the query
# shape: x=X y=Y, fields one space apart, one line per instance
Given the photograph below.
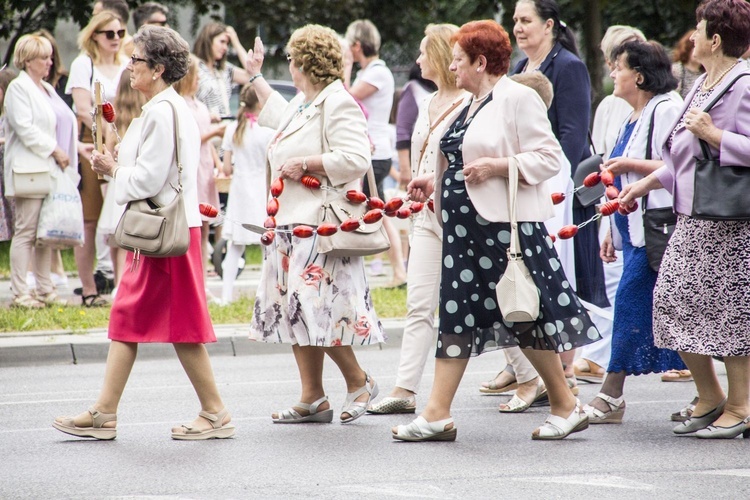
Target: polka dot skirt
x=474 y=258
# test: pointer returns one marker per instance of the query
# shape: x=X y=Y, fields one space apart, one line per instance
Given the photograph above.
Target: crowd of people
x=474 y=135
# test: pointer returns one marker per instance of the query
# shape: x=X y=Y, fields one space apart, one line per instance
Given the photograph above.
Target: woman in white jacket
x=41 y=138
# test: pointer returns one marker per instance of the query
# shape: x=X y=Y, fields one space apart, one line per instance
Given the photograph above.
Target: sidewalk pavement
x=63 y=347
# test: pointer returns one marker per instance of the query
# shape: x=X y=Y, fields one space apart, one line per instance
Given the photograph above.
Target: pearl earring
x=153 y=78
x=477 y=70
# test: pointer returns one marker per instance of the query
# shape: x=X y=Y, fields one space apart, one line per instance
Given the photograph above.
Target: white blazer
x=30 y=128
x=147 y=156
x=299 y=133
x=513 y=125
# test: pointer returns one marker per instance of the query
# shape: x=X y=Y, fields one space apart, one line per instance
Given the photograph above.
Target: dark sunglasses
x=157 y=23
x=111 y=33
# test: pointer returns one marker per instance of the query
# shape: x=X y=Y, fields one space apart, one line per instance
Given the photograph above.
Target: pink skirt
x=163 y=300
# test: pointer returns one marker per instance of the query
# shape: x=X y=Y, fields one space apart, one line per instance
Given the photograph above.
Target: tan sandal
x=588 y=371
x=27 y=302
x=218 y=430
x=677 y=376
x=491 y=386
x=96 y=431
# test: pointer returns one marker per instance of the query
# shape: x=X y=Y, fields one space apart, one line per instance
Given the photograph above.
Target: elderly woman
x=502 y=122
x=41 y=137
x=319 y=304
x=216 y=76
x=612 y=111
x=101 y=60
x=701 y=299
x=160 y=299
x=643 y=78
x=436 y=113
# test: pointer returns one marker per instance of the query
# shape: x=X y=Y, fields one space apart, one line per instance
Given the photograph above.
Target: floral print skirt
x=311 y=299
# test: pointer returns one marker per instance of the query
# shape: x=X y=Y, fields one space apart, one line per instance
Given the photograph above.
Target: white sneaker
x=58 y=280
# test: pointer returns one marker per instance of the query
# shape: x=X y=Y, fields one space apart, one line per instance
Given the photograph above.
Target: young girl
x=207 y=192
x=245 y=144
x=128 y=103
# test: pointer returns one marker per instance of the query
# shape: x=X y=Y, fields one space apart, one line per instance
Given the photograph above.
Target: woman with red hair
x=502 y=124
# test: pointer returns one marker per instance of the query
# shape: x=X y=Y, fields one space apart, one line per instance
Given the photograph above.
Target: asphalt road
x=494 y=456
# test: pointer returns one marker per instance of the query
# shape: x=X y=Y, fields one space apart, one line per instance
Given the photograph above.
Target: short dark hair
x=166 y=47
x=144 y=11
x=651 y=60
x=730 y=19
x=119 y=7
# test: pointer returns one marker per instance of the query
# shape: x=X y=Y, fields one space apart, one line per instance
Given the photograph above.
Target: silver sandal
x=356 y=409
x=292 y=416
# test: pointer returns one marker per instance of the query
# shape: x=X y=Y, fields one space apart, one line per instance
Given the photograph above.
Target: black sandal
x=93 y=301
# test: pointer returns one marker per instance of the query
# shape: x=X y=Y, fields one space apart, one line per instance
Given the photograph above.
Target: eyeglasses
x=157 y=23
x=289 y=57
x=111 y=33
x=134 y=59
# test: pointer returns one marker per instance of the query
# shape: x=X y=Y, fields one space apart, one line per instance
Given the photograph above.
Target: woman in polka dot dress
x=502 y=120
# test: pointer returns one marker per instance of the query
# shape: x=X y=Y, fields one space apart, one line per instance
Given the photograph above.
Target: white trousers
x=22 y=249
x=423 y=293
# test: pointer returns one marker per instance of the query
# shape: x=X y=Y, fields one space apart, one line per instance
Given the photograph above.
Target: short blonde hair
x=616 y=35
x=537 y=82
x=316 y=51
x=438 y=49
x=86 y=37
x=368 y=36
x=28 y=48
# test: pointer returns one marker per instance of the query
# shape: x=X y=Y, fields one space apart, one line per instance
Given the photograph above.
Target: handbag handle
x=432 y=129
x=176 y=131
x=704 y=145
x=649 y=144
x=325 y=147
x=515 y=243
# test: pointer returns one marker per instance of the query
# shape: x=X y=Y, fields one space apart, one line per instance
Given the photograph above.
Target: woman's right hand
x=630 y=193
x=420 y=188
x=254 y=62
x=607 y=250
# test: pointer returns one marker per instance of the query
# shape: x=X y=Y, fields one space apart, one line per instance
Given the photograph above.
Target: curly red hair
x=485 y=38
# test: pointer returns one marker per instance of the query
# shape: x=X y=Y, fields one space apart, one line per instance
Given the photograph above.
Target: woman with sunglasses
x=101 y=60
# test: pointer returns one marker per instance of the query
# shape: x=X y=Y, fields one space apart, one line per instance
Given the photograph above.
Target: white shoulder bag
x=517 y=295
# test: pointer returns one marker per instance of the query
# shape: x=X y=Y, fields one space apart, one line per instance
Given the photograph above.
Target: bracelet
x=304 y=164
x=255 y=77
x=114 y=172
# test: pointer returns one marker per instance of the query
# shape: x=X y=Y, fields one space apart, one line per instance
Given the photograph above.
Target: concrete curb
x=59 y=347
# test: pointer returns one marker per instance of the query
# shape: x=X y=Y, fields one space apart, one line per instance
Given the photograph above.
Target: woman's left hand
x=103 y=163
x=292 y=169
x=479 y=170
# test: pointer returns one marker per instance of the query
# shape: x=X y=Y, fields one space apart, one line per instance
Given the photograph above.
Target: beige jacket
x=513 y=125
x=343 y=144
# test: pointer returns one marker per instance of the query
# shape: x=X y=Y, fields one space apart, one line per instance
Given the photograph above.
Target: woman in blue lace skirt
x=642 y=77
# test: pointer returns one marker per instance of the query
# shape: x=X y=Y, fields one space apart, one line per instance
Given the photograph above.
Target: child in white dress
x=244 y=145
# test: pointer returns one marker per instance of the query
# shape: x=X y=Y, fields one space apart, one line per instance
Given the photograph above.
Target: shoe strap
x=216 y=419
x=313 y=407
x=420 y=427
x=614 y=403
x=99 y=418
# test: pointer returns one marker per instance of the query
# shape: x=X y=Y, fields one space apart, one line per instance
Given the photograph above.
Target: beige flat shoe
x=556 y=428
x=96 y=431
x=186 y=432
x=518 y=405
x=391 y=405
x=421 y=430
x=588 y=371
x=492 y=387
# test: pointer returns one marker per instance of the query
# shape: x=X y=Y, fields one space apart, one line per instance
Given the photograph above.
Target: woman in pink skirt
x=159 y=299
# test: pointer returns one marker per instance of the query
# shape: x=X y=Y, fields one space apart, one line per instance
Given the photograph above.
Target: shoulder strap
x=434 y=126
x=704 y=145
x=176 y=146
x=649 y=144
x=512 y=204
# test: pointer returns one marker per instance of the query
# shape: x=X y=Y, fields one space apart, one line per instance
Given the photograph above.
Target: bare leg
x=194 y=359
x=738 y=376
x=354 y=375
x=448 y=375
x=548 y=365
x=120 y=361
x=706 y=382
x=310 y=365
x=84 y=256
x=567 y=359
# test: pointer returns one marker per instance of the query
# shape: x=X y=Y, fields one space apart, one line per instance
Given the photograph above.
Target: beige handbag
x=517 y=295
x=146 y=228
x=31 y=182
x=369 y=239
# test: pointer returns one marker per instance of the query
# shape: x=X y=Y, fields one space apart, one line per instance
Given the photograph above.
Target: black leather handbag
x=720 y=192
x=658 y=223
x=588 y=196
